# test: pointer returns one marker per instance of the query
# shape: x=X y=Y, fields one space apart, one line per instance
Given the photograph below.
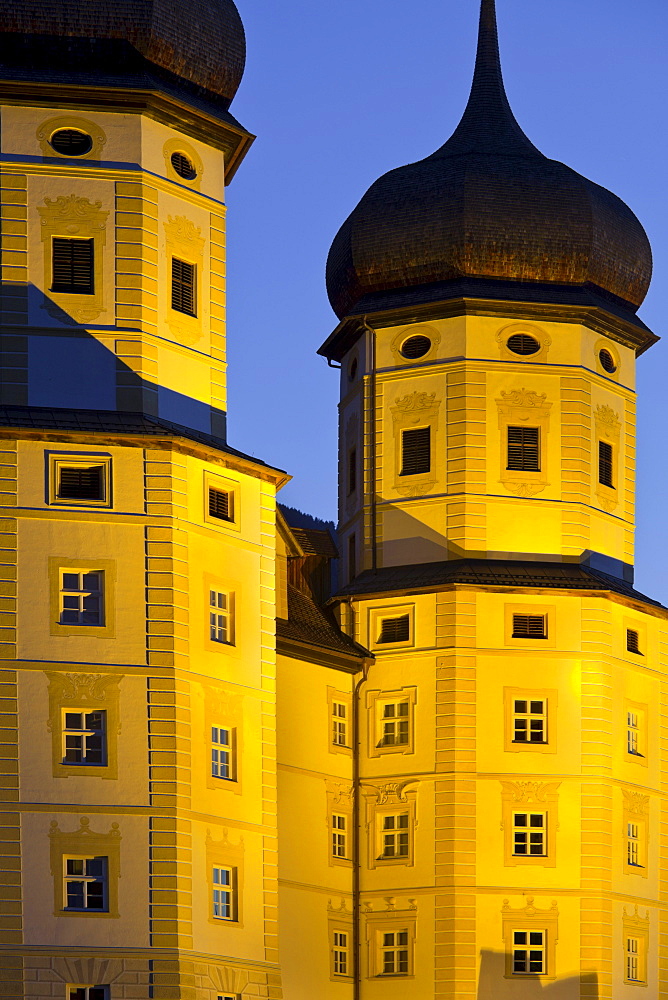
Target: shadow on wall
x=67 y=367
x=493 y=984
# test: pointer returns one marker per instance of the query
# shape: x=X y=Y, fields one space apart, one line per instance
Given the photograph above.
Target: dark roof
x=487 y=205
x=315 y=626
x=490 y=573
x=200 y=45
x=314 y=542
x=54 y=419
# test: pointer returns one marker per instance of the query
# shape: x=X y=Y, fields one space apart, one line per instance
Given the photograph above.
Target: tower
x=138 y=783
x=510 y=769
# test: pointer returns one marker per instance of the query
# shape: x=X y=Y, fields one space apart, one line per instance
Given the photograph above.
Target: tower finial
x=488 y=123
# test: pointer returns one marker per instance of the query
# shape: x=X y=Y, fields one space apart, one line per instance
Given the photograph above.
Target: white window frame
x=398 y=946
x=394 y=836
x=341 y=953
x=339 y=723
x=395 y=723
x=224 y=893
x=530 y=831
x=221 y=617
x=85 y=734
x=528 y=948
x=528 y=717
x=633 y=959
x=86 y=880
x=81 y=594
x=223 y=757
x=339 y=836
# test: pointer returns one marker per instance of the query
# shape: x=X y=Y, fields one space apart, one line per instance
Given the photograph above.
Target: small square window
x=86 y=884
x=222 y=753
x=84 y=738
x=221 y=504
x=79 y=480
x=395 y=629
x=224 y=893
x=221 y=617
x=81 y=598
x=183 y=287
x=529 y=953
x=529 y=627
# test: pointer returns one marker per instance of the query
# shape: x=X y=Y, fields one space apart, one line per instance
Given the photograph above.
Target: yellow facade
x=219 y=782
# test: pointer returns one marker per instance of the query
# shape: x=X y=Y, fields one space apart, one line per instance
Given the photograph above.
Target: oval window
x=415 y=347
x=352 y=371
x=607 y=361
x=71 y=142
x=183 y=167
x=522 y=343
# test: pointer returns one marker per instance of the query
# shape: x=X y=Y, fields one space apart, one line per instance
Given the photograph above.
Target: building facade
x=224 y=774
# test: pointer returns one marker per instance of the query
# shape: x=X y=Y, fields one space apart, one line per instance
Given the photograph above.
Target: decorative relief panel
x=84 y=842
x=524 y=408
x=184 y=240
x=415 y=409
x=88 y=693
x=536 y=797
x=97 y=135
x=607 y=427
x=528 y=918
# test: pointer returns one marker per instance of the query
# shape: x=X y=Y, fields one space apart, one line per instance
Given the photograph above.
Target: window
x=529 y=834
x=77 y=482
x=394 y=725
x=79 y=479
x=633 y=641
x=529 y=721
x=224 y=894
x=352 y=471
x=183 y=287
x=72 y=266
x=86 y=884
x=529 y=953
x=529 y=627
x=220 y=617
x=339 y=724
x=605 y=464
x=633 y=845
x=523 y=449
x=394 y=954
x=352 y=556
x=81 y=598
x=633 y=733
x=340 y=957
x=523 y=343
x=183 y=167
x=415 y=451
x=395 y=629
x=222 y=753
x=221 y=504
x=394 y=834
x=339 y=836
x=88 y=993
x=415 y=347
x=632 y=960
x=85 y=738
x=71 y=142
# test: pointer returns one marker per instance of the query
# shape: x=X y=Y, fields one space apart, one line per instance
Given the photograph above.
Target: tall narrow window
x=183 y=286
x=339 y=724
x=395 y=629
x=529 y=953
x=339 y=836
x=352 y=556
x=523 y=449
x=633 y=733
x=73 y=266
x=415 y=451
x=529 y=721
x=395 y=725
x=529 y=834
x=85 y=738
x=222 y=753
x=529 y=627
x=340 y=953
x=394 y=954
x=223 y=893
x=605 y=464
x=352 y=471
x=81 y=599
x=220 y=617
x=633 y=641
x=395 y=842
x=86 y=884
x=633 y=960
x=633 y=854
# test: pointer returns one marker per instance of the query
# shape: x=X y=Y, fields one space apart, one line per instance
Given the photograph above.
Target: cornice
x=297 y=650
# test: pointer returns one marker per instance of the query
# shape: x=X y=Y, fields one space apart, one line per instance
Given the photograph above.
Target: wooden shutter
x=183 y=286
x=523 y=452
x=605 y=463
x=632 y=641
x=529 y=627
x=73 y=266
x=80 y=483
x=395 y=629
x=416 y=451
x=220 y=504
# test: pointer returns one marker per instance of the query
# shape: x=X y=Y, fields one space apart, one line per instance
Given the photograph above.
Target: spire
x=488 y=124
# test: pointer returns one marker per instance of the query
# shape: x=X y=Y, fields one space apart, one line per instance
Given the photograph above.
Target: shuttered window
x=352 y=471
x=605 y=464
x=81 y=483
x=72 y=266
x=183 y=286
x=395 y=629
x=529 y=627
x=632 y=641
x=416 y=451
x=523 y=449
x=221 y=504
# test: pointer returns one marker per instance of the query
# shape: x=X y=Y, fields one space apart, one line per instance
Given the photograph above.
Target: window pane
x=70 y=581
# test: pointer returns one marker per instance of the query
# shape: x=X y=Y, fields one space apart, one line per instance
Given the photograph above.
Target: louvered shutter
x=81 y=483
x=220 y=505
x=416 y=451
x=183 y=286
x=395 y=629
x=605 y=463
x=529 y=627
x=73 y=266
x=523 y=453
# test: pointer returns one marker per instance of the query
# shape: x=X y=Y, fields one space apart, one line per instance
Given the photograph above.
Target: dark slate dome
x=489 y=216
x=198 y=43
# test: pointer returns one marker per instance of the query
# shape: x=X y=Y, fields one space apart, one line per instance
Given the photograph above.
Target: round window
x=522 y=343
x=607 y=361
x=415 y=347
x=352 y=371
x=71 y=142
x=183 y=167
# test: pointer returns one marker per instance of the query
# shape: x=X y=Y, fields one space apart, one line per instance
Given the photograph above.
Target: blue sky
x=340 y=92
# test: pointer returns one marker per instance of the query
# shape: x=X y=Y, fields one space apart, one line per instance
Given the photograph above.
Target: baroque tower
x=511 y=765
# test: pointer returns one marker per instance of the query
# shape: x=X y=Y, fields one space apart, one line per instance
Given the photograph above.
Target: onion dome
x=488 y=216
x=198 y=45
